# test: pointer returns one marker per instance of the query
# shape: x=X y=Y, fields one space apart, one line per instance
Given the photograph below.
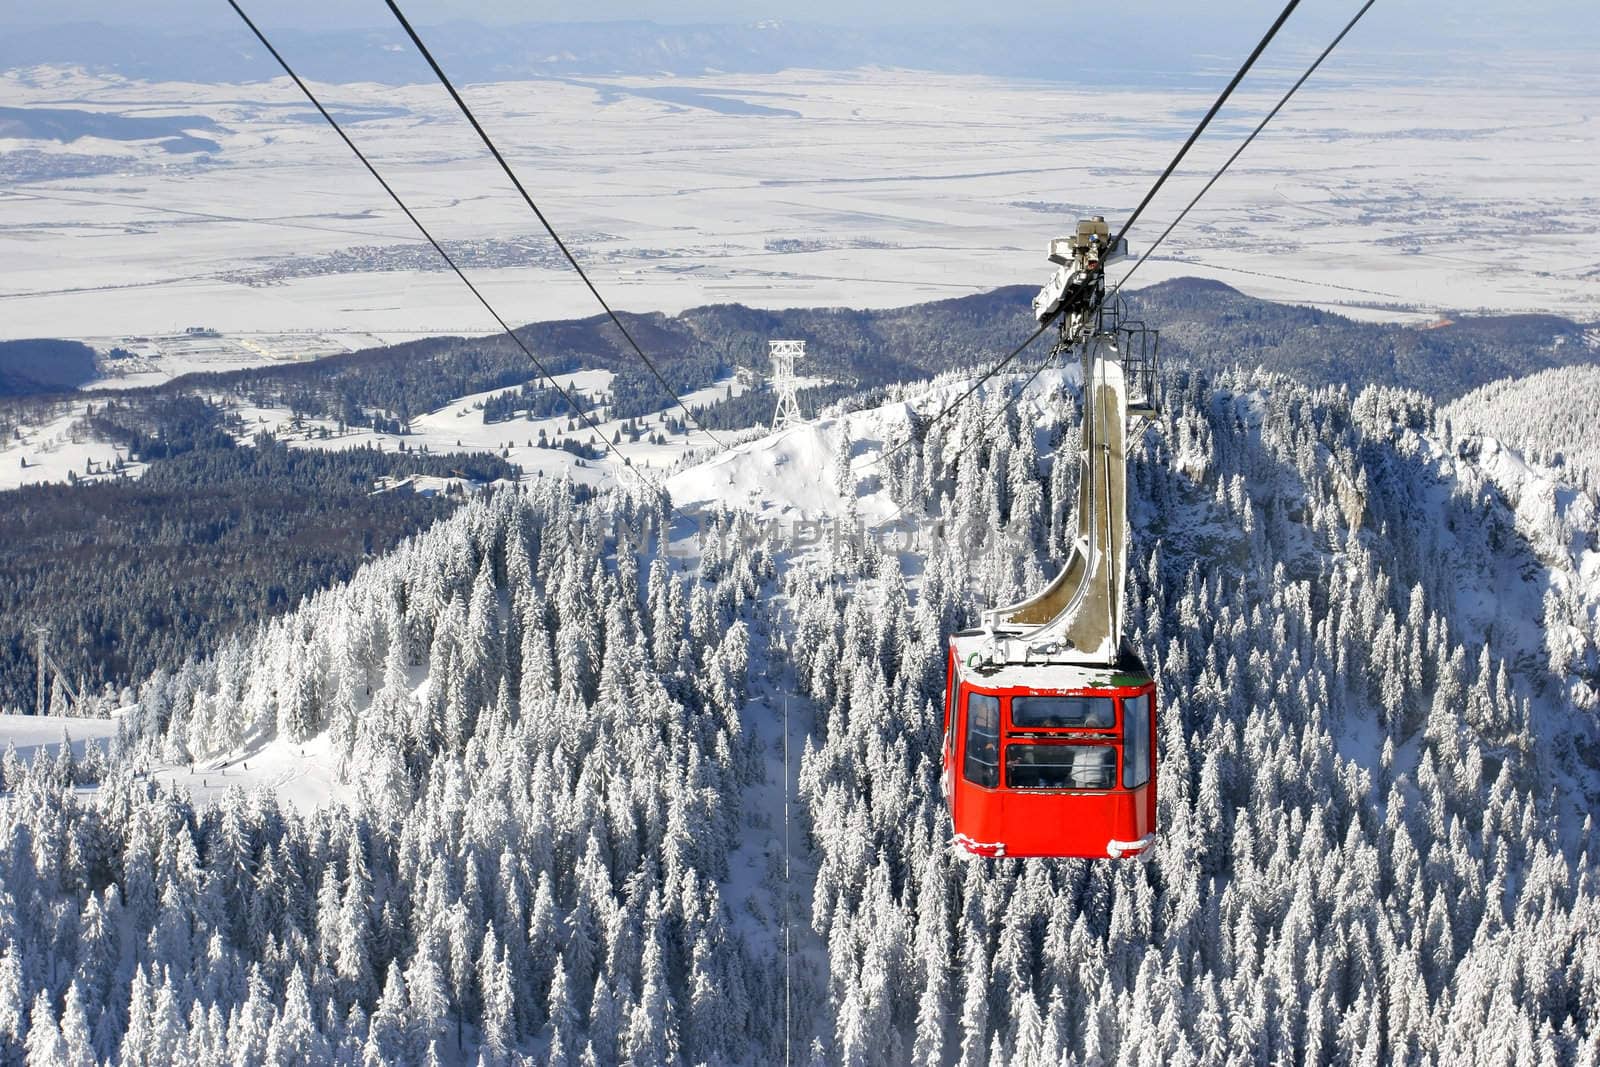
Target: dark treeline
x=402 y=381
x=43 y=366
x=131 y=576
x=1212 y=326
x=387 y=387
x=162 y=425
x=1205 y=324
x=533 y=401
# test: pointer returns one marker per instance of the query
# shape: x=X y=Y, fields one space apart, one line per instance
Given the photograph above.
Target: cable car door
x=947 y=760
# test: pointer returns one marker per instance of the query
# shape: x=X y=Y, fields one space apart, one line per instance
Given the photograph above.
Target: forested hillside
x=1378 y=757
x=854 y=347
x=537 y=865
x=134 y=576
x=1552 y=418
x=1378 y=751
x=43 y=366
x=1205 y=325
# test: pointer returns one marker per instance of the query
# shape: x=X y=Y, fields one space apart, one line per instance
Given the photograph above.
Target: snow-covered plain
x=886 y=187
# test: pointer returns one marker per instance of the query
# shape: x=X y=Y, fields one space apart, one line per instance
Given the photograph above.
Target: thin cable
x=483 y=135
x=979 y=384
x=1181 y=215
x=437 y=247
x=1261 y=46
x=1237 y=152
x=1227 y=91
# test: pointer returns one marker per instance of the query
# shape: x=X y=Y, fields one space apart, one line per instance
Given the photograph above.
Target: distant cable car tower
x=784 y=383
x=48 y=662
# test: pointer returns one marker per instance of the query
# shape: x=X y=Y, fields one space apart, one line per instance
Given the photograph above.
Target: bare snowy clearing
x=304 y=773
x=458 y=426
x=157 y=358
x=51 y=452
x=33 y=735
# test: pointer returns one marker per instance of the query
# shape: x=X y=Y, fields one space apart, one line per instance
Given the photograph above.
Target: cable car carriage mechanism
x=1049 y=737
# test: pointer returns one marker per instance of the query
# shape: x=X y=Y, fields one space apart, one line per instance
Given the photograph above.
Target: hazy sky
x=1552 y=20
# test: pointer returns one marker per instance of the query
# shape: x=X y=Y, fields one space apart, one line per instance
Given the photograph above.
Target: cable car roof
x=1045 y=677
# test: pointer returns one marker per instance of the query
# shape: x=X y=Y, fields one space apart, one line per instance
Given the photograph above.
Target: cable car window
x=1060 y=766
x=982 y=763
x=1135 y=741
x=1091 y=712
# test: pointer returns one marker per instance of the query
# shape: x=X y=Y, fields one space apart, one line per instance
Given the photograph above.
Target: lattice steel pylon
x=47 y=662
x=783 y=355
x=43 y=634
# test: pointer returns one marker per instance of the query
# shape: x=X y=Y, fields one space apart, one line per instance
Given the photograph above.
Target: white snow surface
x=787 y=476
x=60 y=445
x=36 y=734
x=887 y=187
x=459 y=427
x=50 y=451
x=304 y=774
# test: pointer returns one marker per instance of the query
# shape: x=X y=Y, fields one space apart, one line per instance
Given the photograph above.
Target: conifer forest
x=560 y=715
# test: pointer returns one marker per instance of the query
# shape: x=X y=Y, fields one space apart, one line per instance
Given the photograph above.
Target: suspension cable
x=437 y=247
x=1261 y=46
x=494 y=150
x=1216 y=106
x=1237 y=152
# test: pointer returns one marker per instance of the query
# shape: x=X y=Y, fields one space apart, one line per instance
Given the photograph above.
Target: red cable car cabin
x=1049 y=722
x=1049 y=760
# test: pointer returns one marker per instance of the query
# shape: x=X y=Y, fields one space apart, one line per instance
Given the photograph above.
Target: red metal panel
x=1092 y=824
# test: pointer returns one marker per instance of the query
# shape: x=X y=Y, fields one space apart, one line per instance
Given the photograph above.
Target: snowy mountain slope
x=541 y=821
x=834 y=465
x=31 y=735
x=1547 y=415
x=1338 y=877
x=558 y=735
